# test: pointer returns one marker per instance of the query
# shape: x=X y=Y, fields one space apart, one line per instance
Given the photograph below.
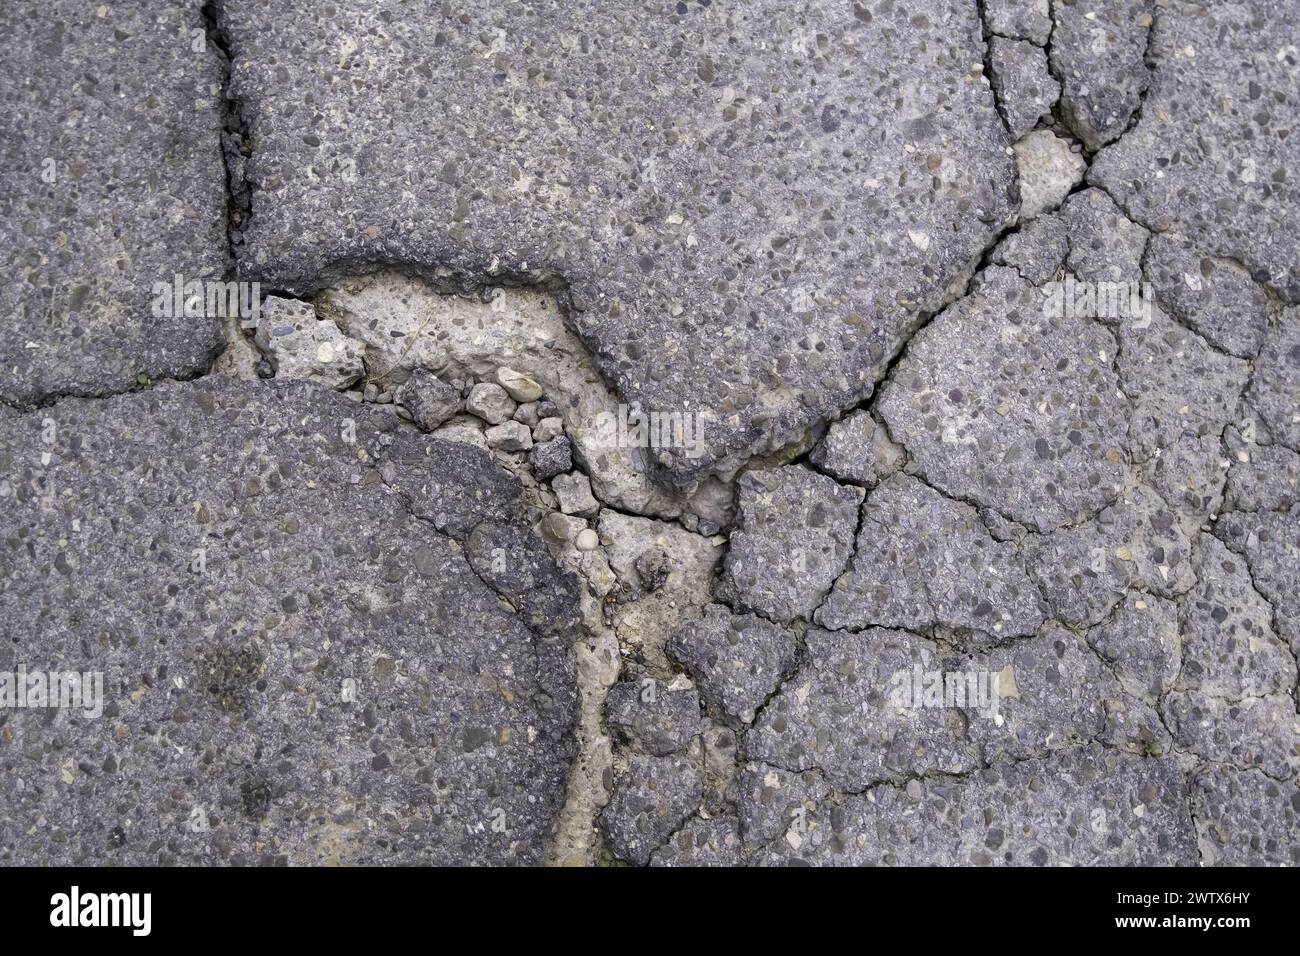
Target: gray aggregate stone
x=793 y=537
x=1089 y=806
x=1275 y=388
x=836 y=715
x=1229 y=648
x=112 y=181
x=574 y=493
x=651 y=800
x=924 y=561
x=653 y=718
x=702 y=842
x=1270 y=543
x=1243 y=818
x=857 y=450
x=430 y=400
x=1098 y=49
x=1105 y=246
x=1212 y=131
x=513 y=561
x=1254 y=732
x=509 y=436
x=551 y=458
x=1052 y=694
x=1085 y=571
x=1036 y=250
x=1000 y=404
x=295 y=667
x=490 y=402
x=737 y=660
x=669 y=167
x=1260 y=477
x=1214 y=296
x=1142 y=641
x=1048 y=170
x=1178 y=383
x=1026 y=90
x=300 y=345
x=771 y=801
x=1020 y=19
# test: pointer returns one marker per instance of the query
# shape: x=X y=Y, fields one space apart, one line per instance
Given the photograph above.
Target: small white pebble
x=587 y=540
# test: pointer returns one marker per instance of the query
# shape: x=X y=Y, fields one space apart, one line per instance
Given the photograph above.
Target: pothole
x=501 y=371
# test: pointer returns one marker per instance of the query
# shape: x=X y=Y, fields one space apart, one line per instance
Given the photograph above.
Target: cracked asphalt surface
x=691 y=433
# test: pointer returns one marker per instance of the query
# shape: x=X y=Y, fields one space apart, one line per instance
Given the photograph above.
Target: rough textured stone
x=1036 y=250
x=671 y=170
x=793 y=537
x=1178 y=383
x=1098 y=49
x=737 y=660
x=509 y=436
x=112 y=181
x=1049 y=169
x=1052 y=692
x=430 y=400
x=300 y=345
x=296 y=667
x=1089 y=806
x=574 y=493
x=1260 y=477
x=1026 y=90
x=701 y=842
x=490 y=402
x=1142 y=642
x=1245 y=819
x=512 y=560
x=1136 y=543
x=858 y=451
x=924 y=561
x=551 y=458
x=1212 y=129
x=644 y=619
x=1262 y=732
x=651 y=800
x=772 y=801
x=1275 y=388
x=1229 y=648
x=1214 y=296
x=1001 y=404
x=1270 y=543
x=1105 y=246
x=653 y=718
x=835 y=714
x=1020 y=19
x=518 y=385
